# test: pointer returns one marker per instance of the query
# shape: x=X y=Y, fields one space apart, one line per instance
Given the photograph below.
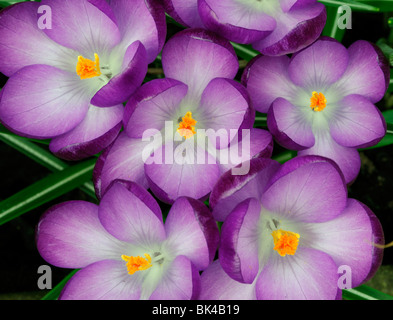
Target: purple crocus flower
x=321 y=100
x=123 y=248
x=273 y=27
x=70 y=72
x=289 y=231
x=166 y=145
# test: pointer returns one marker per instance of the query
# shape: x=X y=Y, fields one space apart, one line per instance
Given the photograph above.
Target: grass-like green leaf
x=331 y=28
x=45 y=190
x=358 y=5
x=364 y=292
x=245 y=52
x=55 y=292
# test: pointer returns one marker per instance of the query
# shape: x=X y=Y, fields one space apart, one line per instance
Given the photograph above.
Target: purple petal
x=171 y=178
x=184 y=12
x=234 y=21
x=142 y=21
x=82 y=26
x=177 y=283
x=129 y=213
x=231 y=189
x=295 y=30
x=43 y=102
x=238 y=253
x=288 y=125
x=98 y=130
x=266 y=79
x=309 y=274
x=70 y=235
x=22 y=43
x=347 y=159
x=349 y=239
x=152 y=104
x=192 y=230
x=120 y=87
x=357 y=123
x=364 y=75
x=196 y=56
x=309 y=189
x=217 y=285
x=319 y=65
x=121 y=160
x=102 y=280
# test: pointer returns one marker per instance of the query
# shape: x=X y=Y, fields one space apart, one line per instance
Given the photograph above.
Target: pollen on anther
x=86 y=68
x=317 y=101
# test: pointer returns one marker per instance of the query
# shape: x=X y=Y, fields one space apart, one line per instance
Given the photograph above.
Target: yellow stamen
x=86 y=68
x=137 y=263
x=285 y=242
x=318 y=101
x=186 y=126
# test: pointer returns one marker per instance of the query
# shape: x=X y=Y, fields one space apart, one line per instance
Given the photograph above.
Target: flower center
x=186 y=127
x=318 y=101
x=285 y=242
x=137 y=263
x=86 y=68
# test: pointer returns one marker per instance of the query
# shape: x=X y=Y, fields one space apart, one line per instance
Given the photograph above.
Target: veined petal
x=309 y=274
x=102 y=280
x=131 y=214
x=43 y=102
x=184 y=12
x=70 y=235
x=98 y=130
x=195 y=57
x=22 y=43
x=82 y=26
x=192 y=230
x=309 y=189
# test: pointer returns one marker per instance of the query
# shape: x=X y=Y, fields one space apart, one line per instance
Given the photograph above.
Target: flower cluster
x=187 y=141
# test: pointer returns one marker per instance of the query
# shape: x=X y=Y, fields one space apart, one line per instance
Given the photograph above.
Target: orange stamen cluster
x=285 y=242
x=187 y=126
x=137 y=263
x=86 y=68
x=318 y=101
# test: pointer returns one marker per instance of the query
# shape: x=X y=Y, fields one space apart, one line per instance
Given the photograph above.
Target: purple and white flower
x=169 y=121
x=321 y=100
x=273 y=27
x=123 y=249
x=67 y=81
x=288 y=231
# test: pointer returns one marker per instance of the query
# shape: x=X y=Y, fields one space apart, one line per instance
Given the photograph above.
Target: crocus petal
x=295 y=30
x=177 y=282
x=223 y=107
x=238 y=251
x=30 y=110
x=152 y=105
x=82 y=26
x=102 y=280
x=347 y=159
x=309 y=274
x=121 y=160
x=266 y=78
x=120 y=87
x=98 y=130
x=23 y=44
x=126 y=212
x=171 y=178
x=307 y=189
x=142 y=21
x=349 y=239
x=192 y=230
x=70 y=235
x=357 y=123
x=235 y=21
x=184 y=12
x=288 y=125
x=231 y=189
x=196 y=56
x=217 y=285
x=319 y=65
x=364 y=74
